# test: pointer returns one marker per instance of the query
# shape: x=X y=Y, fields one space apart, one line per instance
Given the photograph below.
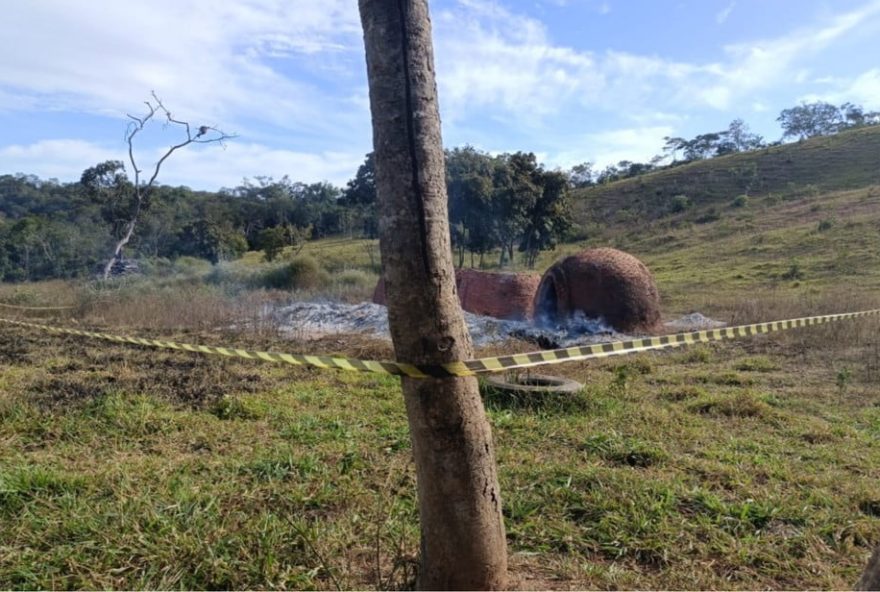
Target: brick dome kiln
x=601 y=283
x=500 y=295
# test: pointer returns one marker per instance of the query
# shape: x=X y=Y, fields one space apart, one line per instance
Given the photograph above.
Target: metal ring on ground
x=534 y=383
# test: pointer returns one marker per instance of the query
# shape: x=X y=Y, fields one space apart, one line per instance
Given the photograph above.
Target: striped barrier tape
x=470 y=367
x=19 y=307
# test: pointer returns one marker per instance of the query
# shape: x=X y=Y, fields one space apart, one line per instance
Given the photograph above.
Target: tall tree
x=673 y=146
x=810 y=119
x=360 y=196
x=517 y=189
x=548 y=220
x=581 y=175
x=462 y=531
x=741 y=138
x=469 y=187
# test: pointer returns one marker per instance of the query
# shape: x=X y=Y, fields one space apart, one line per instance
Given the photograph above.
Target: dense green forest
x=501 y=204
x=58 y=230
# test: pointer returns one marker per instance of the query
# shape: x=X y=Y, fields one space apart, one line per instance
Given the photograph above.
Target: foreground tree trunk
x=870 y=579
x=462 y=532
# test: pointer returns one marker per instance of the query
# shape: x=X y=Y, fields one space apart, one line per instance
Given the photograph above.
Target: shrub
x=794 y=272
x=301 y=273
x=756 y=364
x=811 y=190
x=740 y=201
x=825 y=224
x=710 y=215
x=191 y=266
x=156 y=266
x=271 y=241
x=235 y=273
x=679 y=203
x=743 y=404
x=356 y=278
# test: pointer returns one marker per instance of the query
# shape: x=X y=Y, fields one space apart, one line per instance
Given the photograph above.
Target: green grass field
x=742 y=465
x=738 y=465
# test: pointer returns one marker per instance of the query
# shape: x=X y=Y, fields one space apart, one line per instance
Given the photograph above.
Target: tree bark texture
x=117 y=252
x=870 y=579
x=462 y=531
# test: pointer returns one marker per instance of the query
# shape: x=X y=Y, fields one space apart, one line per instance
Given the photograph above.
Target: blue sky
x=571 y=80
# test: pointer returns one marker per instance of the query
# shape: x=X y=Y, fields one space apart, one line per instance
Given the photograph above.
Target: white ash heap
x=314 y=320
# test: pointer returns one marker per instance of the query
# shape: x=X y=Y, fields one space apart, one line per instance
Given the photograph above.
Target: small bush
x=302 y=273
x=155 y=266
x=682 y=393
x=235 y=273
x=740 y=201
x=794 y=272
x=191 y=266
x=710 y=215
x=811 y=190
x=825 y=224
x=699 y=354
x=844 y=377
x=228 y=408
x=679 y=203
x=356 y=278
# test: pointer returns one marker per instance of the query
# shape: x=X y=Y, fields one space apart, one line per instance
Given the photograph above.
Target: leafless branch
x=205 y=135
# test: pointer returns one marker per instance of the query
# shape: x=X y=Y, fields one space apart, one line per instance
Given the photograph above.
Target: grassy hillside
x=847 y=160
x=796 y=219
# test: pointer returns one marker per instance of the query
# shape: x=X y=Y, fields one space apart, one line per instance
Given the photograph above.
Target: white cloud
x=756 y=65
x=610 y=147
x=862 y=90
x=214 y=167
x=724 y=13
x=865 y=90
x=208 y=167
x=205 y=57
x=488 y=56
x=288 y=77
x=493 y=59
x=63 y=159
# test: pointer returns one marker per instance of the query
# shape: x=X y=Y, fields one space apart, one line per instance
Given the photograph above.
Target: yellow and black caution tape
x=471 y=367
x=19 y=307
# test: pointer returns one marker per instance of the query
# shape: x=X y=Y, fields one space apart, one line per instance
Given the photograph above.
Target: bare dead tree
x=203 y=134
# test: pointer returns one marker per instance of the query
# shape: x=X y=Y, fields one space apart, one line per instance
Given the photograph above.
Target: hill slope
x=847 y=160
x=807 y=222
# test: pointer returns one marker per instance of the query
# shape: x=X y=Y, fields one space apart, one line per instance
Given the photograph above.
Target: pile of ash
x=315 y=320
x=693 y=322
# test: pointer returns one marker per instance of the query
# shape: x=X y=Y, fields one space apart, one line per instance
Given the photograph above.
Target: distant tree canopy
x=803 y=121
x=359 y=199
x=507 y=203
x=808 y=120
x=50 y=229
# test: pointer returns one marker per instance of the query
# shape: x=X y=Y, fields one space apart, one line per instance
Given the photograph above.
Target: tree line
x=807 y=120
x=500 y=204
x=60 y=230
